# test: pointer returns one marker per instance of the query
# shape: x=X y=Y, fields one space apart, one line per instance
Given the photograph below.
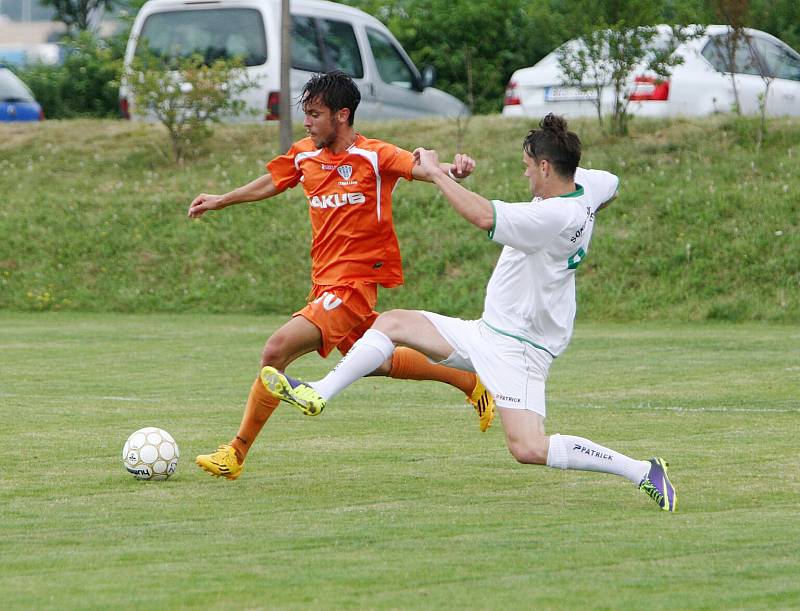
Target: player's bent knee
x=391 y=323
x=274 y=354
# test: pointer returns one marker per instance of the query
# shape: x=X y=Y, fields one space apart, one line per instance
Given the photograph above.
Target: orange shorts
x=341 y=313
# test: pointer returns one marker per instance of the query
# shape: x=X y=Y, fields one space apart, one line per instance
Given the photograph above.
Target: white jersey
x=531 y=294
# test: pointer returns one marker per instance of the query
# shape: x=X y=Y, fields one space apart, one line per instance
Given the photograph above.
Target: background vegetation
x=85 y=84
x=94 y=218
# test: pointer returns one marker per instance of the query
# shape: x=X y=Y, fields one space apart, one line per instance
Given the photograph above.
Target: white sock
x=570 y=452
x=366 y=355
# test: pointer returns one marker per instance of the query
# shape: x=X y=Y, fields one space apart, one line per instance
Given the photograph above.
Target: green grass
x=392 y=498
x=94 y=218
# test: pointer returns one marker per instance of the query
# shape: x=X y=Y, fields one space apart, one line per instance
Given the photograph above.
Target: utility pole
x=286 y=89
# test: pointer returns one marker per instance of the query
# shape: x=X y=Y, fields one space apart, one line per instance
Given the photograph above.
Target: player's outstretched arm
x=475 y=208
x=261 y=188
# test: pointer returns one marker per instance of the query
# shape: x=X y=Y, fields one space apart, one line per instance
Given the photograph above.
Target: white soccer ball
x=150 y=453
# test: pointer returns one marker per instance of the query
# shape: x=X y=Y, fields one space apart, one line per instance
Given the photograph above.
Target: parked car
x=16 y=100
x=698 y=87
x=325 y=36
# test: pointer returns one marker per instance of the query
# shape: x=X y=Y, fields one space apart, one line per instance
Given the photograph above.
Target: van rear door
x=213 y=32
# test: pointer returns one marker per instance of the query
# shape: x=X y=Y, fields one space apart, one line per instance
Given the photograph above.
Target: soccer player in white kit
x=528 y=313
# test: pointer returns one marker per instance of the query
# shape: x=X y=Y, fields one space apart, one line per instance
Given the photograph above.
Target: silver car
x=701 y=86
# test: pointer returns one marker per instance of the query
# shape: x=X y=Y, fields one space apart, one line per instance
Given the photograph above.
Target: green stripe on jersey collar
x=577 y=193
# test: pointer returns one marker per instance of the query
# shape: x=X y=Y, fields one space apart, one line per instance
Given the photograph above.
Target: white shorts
x=512 y=370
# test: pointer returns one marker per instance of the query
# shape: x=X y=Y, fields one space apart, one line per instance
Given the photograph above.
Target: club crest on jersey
x=345 y=171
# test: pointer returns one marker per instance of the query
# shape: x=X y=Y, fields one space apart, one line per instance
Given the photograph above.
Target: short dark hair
x=555 y=143
x=335 y=89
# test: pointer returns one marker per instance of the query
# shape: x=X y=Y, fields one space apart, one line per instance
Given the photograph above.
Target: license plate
x=568 y=94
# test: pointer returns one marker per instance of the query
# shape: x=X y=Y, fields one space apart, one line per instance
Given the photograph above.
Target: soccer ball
x=150 y=453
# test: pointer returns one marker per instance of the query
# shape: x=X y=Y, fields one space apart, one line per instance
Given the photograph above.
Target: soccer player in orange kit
x=348 y=180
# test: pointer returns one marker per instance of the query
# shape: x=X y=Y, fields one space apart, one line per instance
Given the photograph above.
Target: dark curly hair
x=335 y=89
x=555 y=143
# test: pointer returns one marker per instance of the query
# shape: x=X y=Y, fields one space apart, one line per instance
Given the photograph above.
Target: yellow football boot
x=483 y=402
x=294 y=392
x=222 y=463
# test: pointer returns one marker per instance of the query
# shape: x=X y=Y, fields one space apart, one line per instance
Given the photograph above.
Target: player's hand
x=427 y=161
x=463 y=166
x=204 y=202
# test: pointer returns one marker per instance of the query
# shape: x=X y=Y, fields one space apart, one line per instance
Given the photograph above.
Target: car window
x=391 y=65
x=320 y=45
x=780 y=61
x=213 y=33
x=718 y=53
x=342 y=46
x=13 y=89
x=306 y=52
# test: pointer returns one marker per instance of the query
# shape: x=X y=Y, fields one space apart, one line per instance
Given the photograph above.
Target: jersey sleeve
x=599 y=185
x=285 y=174
x=528 y=227
x=395 y=161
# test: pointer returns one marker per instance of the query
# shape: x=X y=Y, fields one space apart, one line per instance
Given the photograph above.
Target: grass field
x=392 y=498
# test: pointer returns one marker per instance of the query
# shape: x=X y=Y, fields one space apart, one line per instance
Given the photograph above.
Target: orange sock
x=408 y=364
x=260 y=405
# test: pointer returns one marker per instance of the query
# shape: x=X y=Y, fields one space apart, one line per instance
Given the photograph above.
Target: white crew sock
x=366 y=355
x=570 y=452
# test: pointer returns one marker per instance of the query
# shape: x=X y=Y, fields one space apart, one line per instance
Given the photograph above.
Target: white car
x=698 y=87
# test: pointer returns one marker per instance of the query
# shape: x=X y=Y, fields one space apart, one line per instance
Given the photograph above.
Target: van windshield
x=212 y=33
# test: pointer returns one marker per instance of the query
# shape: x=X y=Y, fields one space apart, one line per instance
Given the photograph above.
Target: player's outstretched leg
x=293 y=391
x=657 y=486
x=222 y=463
x=483 y=402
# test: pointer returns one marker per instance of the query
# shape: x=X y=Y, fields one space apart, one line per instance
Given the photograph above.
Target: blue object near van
x=16 y=100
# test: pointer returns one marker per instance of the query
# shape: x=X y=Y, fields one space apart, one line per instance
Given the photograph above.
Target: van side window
x=391 y=65
x=321 y=45
x=306 y=51
x=342 y=47
x=213 y=33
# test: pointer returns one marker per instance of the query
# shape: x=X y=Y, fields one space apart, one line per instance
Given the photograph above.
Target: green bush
x=187 y=95
x=86 y=84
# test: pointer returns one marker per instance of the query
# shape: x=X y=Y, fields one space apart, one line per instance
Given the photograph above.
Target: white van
x=325 y=36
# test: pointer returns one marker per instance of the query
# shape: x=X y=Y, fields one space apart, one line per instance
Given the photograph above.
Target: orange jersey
x=350 y=205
